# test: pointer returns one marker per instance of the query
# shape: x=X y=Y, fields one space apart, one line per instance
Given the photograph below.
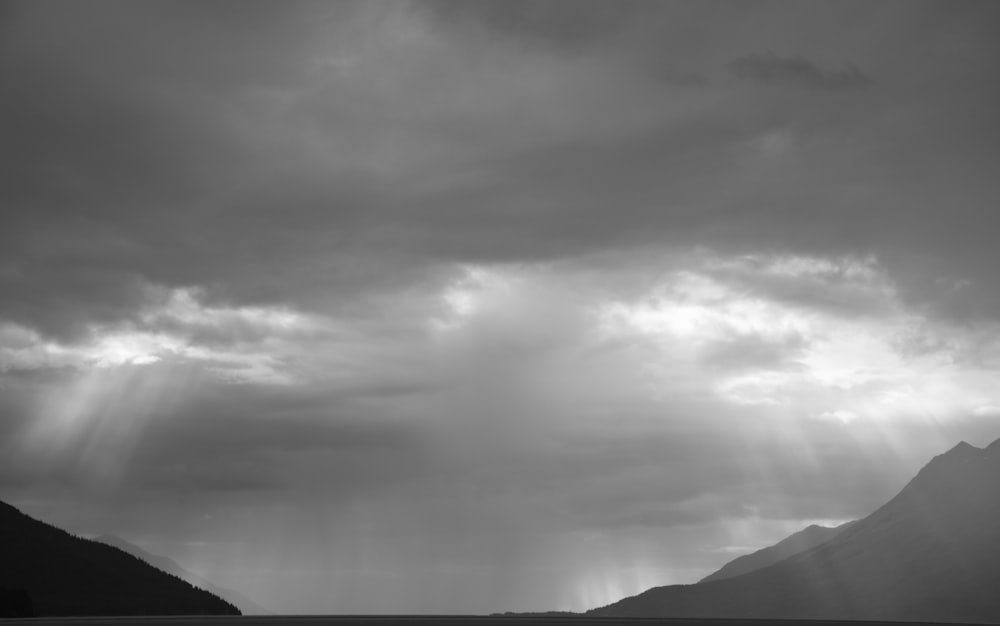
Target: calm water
x=418 y=620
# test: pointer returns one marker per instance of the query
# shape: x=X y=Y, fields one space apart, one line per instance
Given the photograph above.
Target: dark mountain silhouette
x=66 y=575
x=244 y=604
x=932 y=553
x=16 y=603
x=807 y=538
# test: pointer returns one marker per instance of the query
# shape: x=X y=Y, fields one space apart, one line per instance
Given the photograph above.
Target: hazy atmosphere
x=471 y=306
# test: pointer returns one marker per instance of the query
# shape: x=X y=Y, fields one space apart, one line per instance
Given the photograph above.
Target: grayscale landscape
x=499 y=311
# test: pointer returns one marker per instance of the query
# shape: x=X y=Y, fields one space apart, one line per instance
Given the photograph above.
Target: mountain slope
x=244 y=604
x=15 y=603
x=807 y=538
x=932 y=553
x=66 y=575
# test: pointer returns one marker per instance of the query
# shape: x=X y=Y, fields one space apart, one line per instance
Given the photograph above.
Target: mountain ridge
x=809 y=537
x=168 y=565
x=932 y=552
x=66 y=575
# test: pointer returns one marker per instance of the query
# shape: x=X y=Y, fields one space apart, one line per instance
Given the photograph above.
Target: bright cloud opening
x=477 y=290
x=805 y=357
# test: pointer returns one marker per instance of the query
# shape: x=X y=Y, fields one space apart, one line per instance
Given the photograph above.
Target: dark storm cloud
x=558 y=23
x=846 y=286
x=770 y=69
x=95 y=159
x=228 y=163
x=131 y=160
x=6 y=12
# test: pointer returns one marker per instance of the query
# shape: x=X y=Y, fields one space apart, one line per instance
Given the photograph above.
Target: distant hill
x=809 y=537
x=244 y=604
x=65 y=575
x=932 y=553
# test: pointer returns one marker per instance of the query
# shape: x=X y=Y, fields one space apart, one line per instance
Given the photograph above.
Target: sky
x=489 y=305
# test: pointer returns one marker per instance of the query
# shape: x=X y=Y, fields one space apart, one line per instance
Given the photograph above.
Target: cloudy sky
x=469 y=306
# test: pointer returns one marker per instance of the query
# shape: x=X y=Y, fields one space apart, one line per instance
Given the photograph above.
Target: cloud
x=562 y=24
x=372 y=293
x=238 y=175
x=770 y=69
x=513 y=380
x=848 y=285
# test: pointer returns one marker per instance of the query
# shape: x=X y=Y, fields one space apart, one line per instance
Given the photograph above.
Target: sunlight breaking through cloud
x=113 y=382
x=392 y=305
x=476 y=290
x=93 y=423
x=805 y=356
x=239 y=343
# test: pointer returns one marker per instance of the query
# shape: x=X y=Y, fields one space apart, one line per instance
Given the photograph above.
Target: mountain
x=65 y=575
x=932 y=553
x=809 y=537
x=15 y=603
x=244 y=604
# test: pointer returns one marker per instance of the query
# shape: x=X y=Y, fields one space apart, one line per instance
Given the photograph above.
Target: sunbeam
x=92 y=424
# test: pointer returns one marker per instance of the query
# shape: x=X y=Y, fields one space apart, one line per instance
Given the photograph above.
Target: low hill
x=66 y=575
x=932 y=553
